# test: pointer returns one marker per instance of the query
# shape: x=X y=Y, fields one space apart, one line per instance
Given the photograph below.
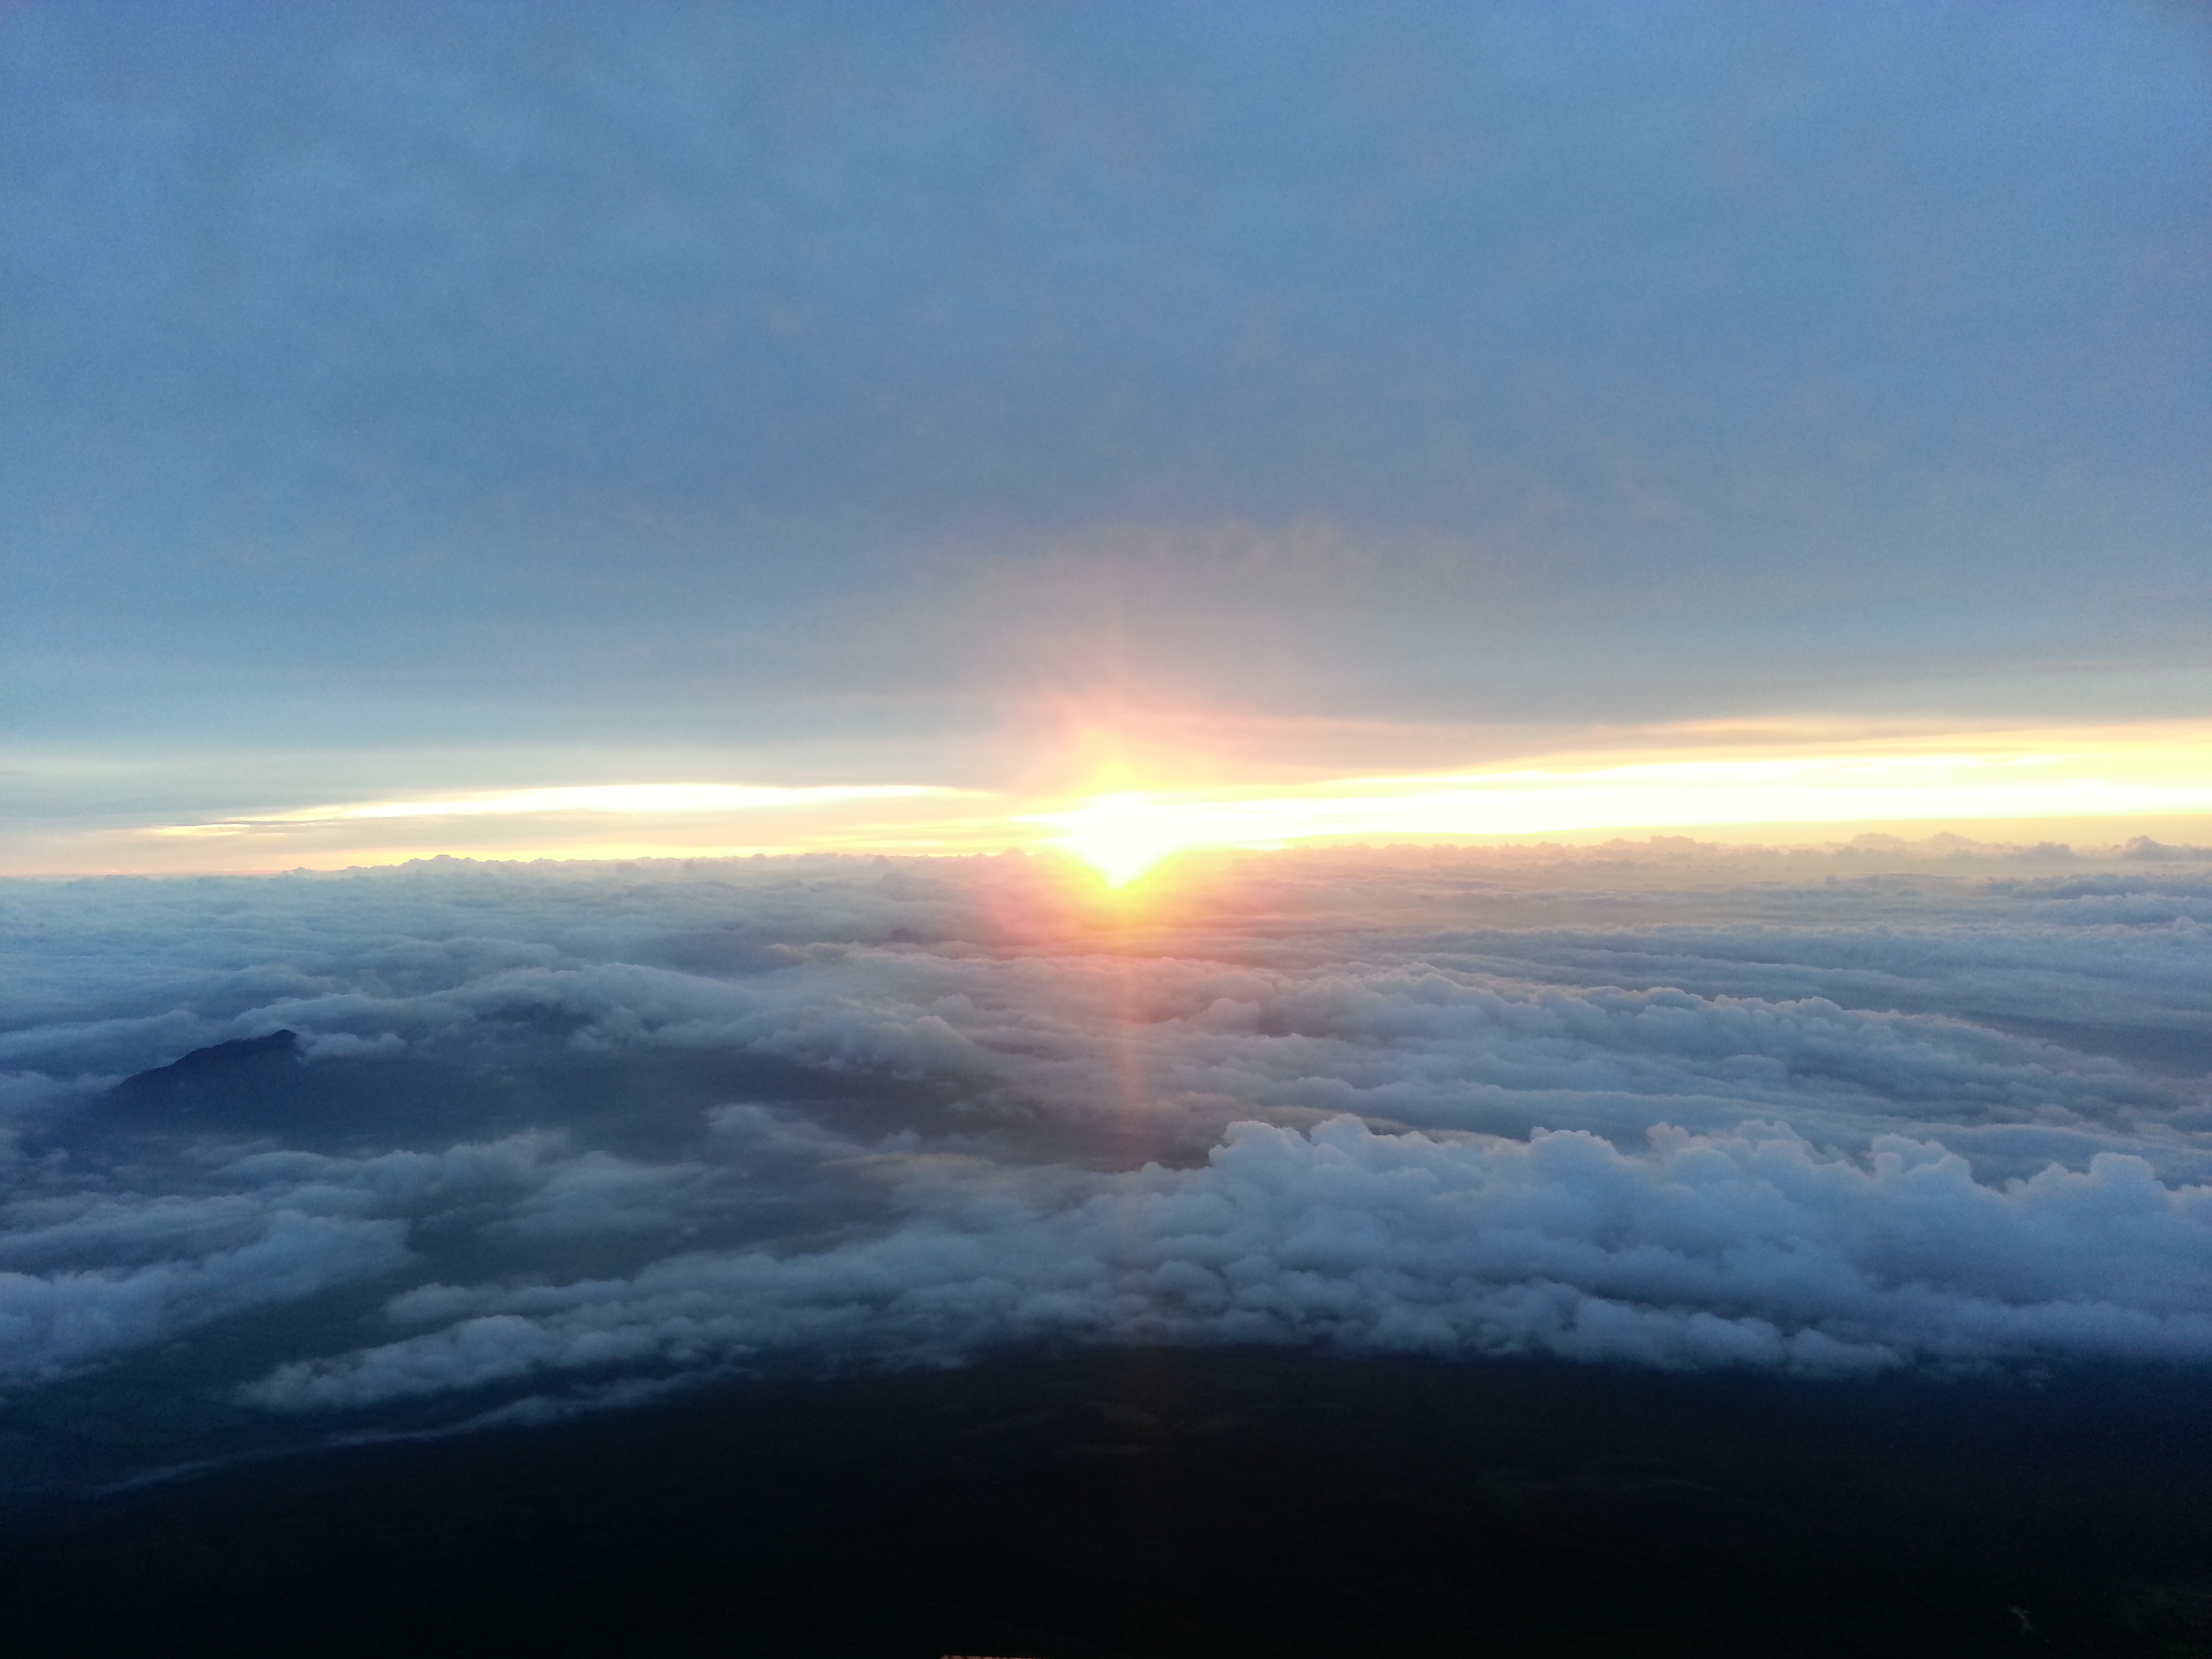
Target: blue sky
x=434 y=397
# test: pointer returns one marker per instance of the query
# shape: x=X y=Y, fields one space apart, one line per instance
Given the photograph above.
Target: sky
x=951 y=428
x=864 y=686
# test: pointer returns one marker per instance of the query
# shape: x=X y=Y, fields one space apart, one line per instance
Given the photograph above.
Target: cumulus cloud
x=599 y=1128
x=1751 y=1248
x=85 y=1271
x=50 y=1324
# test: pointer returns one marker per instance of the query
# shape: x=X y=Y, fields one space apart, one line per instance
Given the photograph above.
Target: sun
x=1122 y=836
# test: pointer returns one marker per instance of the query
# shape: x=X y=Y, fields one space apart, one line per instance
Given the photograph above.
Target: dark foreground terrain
x=1213 y=1503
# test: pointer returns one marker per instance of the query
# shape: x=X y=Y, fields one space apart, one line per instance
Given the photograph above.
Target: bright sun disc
x=1121 y=837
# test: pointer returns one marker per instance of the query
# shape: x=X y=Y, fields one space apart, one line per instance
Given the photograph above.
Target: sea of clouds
x=561 y=1135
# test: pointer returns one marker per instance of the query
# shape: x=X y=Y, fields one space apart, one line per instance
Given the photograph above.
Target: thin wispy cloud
x=627 y=799
x=2132 y=780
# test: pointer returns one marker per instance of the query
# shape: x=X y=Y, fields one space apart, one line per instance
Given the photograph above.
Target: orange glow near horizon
x=628 y=798
x=1125 y=833
x=1123 y=823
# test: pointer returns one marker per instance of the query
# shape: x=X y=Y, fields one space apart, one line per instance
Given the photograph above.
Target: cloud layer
x=563 y=1134
x=1401 y=362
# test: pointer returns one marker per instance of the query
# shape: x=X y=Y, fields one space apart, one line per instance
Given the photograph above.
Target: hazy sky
x=404 y=397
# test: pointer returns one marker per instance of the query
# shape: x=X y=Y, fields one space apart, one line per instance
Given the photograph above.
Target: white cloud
x=625 y=799
x=678 y=1114
x=53 y=1323
x=1750 y=1248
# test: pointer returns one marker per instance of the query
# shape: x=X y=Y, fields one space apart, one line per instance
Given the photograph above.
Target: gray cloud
x=1747 y=1248
x=1466 y=355
x=596 y=1129
x=56 y=1322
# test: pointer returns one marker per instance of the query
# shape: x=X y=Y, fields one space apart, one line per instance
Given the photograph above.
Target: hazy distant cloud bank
x=557 y=1134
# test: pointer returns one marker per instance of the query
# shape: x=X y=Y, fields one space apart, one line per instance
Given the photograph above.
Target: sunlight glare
x=1126 y=833
x=1122 y=836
